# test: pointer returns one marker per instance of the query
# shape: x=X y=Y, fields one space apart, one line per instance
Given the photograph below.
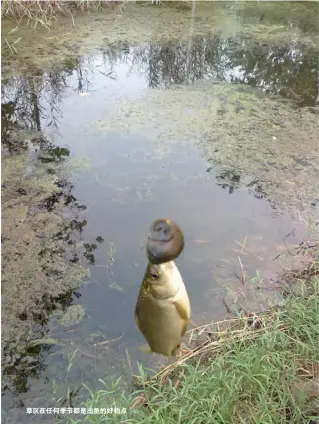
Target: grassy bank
x=44 y=12
x=41 y=13
x=261 y=370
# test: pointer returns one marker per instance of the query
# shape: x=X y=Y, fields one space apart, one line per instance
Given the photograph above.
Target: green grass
x=43 y=13
x=241 y=375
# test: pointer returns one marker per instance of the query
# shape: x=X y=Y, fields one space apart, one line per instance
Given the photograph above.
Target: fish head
x=163 y=280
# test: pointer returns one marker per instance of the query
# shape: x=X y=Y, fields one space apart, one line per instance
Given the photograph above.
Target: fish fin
x=136 y=319
x=183 y=314
x=175 y=350
x=146 y=349
x=184 y=329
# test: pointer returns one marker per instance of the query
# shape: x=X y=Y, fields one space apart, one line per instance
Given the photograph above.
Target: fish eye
x=154 y=275
x=153 y=272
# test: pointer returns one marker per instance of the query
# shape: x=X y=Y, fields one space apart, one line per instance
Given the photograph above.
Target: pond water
x=206 y=115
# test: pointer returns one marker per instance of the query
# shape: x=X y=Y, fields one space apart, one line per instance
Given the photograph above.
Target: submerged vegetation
x=251 y=369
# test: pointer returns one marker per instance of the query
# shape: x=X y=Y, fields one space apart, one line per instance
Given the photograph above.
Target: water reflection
x=290 y=70
x=28 y=99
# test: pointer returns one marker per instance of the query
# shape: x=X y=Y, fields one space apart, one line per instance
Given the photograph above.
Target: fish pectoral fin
x=137 y=320
x=146 y=349
x=182 y=312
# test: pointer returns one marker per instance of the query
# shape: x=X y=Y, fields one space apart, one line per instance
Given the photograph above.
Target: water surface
x=210 y=121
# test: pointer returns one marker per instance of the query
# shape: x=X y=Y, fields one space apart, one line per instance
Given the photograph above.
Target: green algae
x=237 y=129
x=34 y=259
x=73 y=315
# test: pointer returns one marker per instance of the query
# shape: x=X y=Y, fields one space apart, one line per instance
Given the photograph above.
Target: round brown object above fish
x=165 y=241
x=163 y=309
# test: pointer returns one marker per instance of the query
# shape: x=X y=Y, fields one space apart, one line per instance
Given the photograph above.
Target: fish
x=163 y=309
